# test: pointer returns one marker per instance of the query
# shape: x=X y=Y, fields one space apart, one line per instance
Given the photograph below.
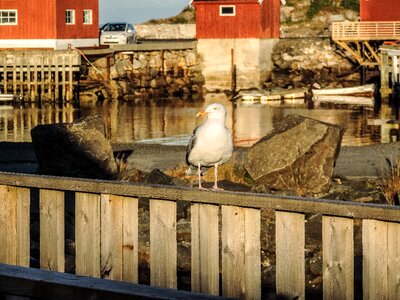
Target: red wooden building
x=237 y=18
x=379 y=10
x=235 y=39
x=48 y=23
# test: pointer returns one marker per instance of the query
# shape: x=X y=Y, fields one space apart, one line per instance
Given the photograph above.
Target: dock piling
x=35 y=74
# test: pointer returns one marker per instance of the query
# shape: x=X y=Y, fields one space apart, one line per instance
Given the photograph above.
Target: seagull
x=210 y=143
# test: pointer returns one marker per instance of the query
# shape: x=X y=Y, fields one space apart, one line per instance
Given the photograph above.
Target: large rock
x=77 y=149
x=298 y=156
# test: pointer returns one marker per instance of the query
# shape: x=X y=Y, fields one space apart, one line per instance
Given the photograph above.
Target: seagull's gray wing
x=190 y=145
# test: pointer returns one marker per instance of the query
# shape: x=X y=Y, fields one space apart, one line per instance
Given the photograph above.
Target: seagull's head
x=214 y=111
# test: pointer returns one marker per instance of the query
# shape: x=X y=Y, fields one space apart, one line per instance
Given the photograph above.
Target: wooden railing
x=355 y=31
x=225 y=236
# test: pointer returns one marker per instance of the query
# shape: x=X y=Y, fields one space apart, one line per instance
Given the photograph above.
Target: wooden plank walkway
x=364 y=31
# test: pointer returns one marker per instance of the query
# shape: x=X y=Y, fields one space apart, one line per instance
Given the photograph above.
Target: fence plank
x=111 y=237
x=52 y=256
x=8 y=225
x=375 y=259
x=241 y=257
x=290 y=240
x=338 y=258
x=205 y=248
x=130 y=239
x=87 y=234
x=163 y=244
x=394 y=261
x=23 y=227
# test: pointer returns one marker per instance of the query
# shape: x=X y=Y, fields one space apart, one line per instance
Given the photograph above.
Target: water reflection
x=172 y=123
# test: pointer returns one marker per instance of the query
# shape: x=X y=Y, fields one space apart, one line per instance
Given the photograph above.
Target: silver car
x=117 y=33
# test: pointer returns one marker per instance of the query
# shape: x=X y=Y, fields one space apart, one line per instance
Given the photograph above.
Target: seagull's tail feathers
x=188 y=171
x=192 y=169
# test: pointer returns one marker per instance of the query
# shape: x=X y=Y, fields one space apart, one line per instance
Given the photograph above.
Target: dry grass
x=390 y=186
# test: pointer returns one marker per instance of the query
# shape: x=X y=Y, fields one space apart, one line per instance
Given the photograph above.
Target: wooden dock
x=356 y=37
x=40 y=75
x=390 y=68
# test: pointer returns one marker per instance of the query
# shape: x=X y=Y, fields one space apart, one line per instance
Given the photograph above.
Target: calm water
x=173 y=123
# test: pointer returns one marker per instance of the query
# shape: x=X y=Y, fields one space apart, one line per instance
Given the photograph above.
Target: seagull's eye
x=215 y=108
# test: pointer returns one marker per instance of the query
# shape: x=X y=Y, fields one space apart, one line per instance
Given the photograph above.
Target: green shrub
x=351 y=4
x=316 y=6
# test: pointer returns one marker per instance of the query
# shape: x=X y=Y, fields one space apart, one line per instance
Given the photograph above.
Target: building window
x=87 y=16
x=227 y=10
x=70 y=16
x=8 y=17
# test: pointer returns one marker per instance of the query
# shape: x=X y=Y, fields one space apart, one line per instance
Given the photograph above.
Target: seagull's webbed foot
x=216 y=188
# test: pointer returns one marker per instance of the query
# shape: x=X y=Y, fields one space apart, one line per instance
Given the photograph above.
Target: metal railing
x=365 y=31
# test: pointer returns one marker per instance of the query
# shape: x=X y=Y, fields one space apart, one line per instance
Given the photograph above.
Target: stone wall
x=300 y=62
x=139 y=76
x=166 y=31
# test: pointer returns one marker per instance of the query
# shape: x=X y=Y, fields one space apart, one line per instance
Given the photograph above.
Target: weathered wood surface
x=23 y=227
x=130 y=236
x=205 y=248
x=163 y=244
x=293 y=204
x=381 y=252
x=393 y=261
x=41 y=284
x=111 y=237
x=119 y=238
x=14 y=226
x=375 y=260
x=241 y=253
x=338 y=258
x=290 y=242
x=87 y=234
x=52 y=255
x=107 y=237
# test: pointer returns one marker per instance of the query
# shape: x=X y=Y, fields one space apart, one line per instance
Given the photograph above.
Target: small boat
x=7 y=97
x=366 y=90
x=272 y=97
x=350 y=100
x=294 y=95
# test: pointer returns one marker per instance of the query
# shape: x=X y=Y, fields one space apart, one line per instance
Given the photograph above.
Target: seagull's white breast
x=213 y=144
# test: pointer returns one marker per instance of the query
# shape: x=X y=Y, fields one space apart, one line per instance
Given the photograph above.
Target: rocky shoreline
x=357 y=168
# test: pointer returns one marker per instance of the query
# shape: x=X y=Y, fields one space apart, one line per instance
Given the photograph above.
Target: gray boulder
x=298 y=155
x=77 y=149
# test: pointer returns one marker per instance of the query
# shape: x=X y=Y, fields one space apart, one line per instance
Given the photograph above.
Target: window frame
x=221 y=7
x=90 y=11
x=8 y=17
x=72 y=11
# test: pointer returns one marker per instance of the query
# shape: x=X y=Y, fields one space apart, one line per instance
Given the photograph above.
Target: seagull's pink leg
x=215 y=187
x=199 y=174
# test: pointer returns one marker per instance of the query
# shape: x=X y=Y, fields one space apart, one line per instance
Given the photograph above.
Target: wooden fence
x=365 y=31
x=39 y=75
x=225 y=237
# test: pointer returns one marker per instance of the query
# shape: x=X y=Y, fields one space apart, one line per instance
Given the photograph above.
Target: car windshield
x=115 y=27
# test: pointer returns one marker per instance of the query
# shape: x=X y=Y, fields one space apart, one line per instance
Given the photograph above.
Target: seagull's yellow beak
x=201 y=114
